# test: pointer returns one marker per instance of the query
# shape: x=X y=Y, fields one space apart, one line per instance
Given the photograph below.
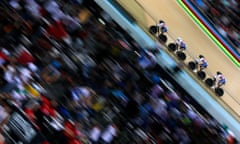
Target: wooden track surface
x=148 y=12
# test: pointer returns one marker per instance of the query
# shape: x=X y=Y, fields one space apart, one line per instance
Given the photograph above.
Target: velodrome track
x=148 y=12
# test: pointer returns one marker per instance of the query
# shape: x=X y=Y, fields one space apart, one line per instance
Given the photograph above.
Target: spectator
x=4 y=114
x=95 y=134
x=160 y=109
x=33 y=8
x=224 y=16
x=56 y=30
x=181 y=136
x=109 y=134
x=51 y=73
x=52 y=7
x=71 y=23
x=82 y=96
x=76 y=43
x=147 y=60
x=24 y=56
x=71 y=132
x=2 y=139
x=156 y=91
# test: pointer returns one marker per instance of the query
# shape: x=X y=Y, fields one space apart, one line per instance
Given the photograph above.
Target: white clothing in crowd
x=160 y=107
x=72 y=23
x=15 y=4
x=25 y=74
x=33 y=8
x=5 y=52
x=79 y=92
x=109 y=134
x=10 y=74
x=53 y=8
x=191 y=114
x=32 y=67
x=94 y=134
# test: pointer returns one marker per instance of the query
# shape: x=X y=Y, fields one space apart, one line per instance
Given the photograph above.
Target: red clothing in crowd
x=71 y=133
x=74 y=141
x=45 y=100
x=43 y=12
x=45 y=142
x=3 y=56
x=56 y=30
x=25 y=57
x=46 y=108
x=31 y=115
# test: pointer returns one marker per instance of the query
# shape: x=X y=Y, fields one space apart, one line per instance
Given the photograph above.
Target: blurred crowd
x=224 y=16
x=79 y=78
